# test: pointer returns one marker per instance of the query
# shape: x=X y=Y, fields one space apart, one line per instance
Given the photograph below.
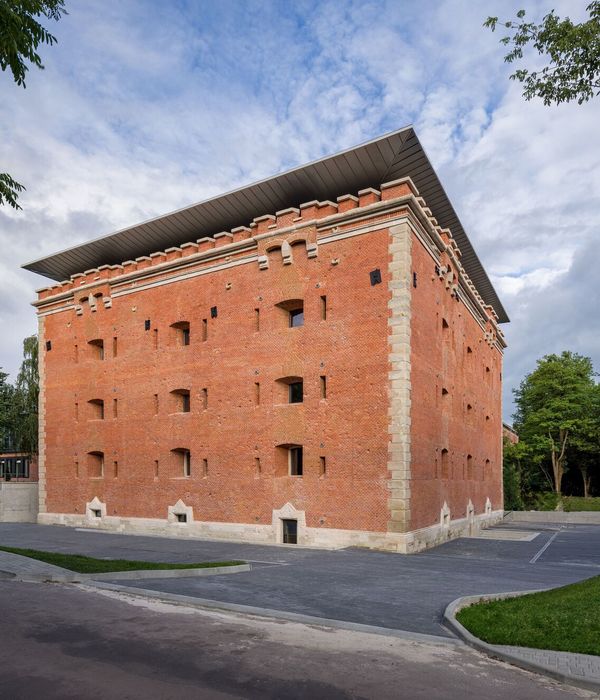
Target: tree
x=6 y=412
x=552 y=410
x=20 y=36
x=26 y=398
x=572 y=71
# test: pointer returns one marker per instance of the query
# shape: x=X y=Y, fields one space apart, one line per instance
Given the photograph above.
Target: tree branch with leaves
x=20 y=37
x=572 y=51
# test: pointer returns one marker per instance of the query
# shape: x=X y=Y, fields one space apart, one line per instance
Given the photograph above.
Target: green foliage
x=564 y=619
x=546 y=500
x=575 y=504
x=19 y=403
x=553 y=412
x=572 y=51
x=20 y=36
x=512 y=476
x=89 y=565
x=21 y=33
x=9 y=191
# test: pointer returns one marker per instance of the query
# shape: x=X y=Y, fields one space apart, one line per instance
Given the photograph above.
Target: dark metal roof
x=387 y=158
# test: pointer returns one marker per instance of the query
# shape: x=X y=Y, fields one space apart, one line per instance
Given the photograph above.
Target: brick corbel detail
x=399 y=322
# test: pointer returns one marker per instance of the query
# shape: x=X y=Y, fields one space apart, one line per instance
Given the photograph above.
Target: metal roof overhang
x=395 y=155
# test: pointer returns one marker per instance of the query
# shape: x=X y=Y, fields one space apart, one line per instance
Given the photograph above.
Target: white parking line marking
x=544 y=548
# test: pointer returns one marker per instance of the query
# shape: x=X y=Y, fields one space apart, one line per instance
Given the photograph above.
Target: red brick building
x=314 y=358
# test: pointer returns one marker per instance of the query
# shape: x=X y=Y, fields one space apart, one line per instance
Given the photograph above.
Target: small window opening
x=181 y=517
x=213 y=312
x=182 y=331
x=97 y=409
x=296 y=461
x=155 y=404
x=115 y=408
x=445 y=323
x=323 y=384
x=48 y=345
x=257 y=319
x=487 y=369
x=322 y=466
x=182 y=398
x=444 y=463
x=77 y=469
x=115 y=346
x=296 y=392
x=257 y=393
x=156 y=467
x=204 y=329
x=257 y=466
x=469 y=467
x=205 y=467
x=96 y=513
x=469 y=350
x=76 y=411
x=294 y=310
x=290 y=531
x=147 y=324
x=155 y=338
x=444 y=391
x=487 y=472
x=324 y=308
x=116 y=469
x=204 y=399
x=469 y=408
x=375 y=277
x=97 y=347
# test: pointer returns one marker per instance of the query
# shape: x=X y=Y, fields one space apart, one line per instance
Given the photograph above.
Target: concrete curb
x=74 y=577
x=509 y=654
x=269 y=613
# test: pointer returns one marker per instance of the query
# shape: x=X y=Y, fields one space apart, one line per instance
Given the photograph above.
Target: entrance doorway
x=290 y=531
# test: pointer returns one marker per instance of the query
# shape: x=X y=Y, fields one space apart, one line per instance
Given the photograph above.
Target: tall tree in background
x=572 y=51
x=26 y=398
x=20 y=36
x=553 y=404
x=6 y=412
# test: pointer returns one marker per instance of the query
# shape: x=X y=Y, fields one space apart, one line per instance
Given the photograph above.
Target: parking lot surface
x=405 y=592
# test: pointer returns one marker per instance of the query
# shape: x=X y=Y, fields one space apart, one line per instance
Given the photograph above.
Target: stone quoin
x=314 y=359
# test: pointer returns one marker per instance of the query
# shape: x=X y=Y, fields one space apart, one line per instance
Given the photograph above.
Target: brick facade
x=399 y=357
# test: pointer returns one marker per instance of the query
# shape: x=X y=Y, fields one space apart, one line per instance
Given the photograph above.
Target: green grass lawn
x=89 y=565
x=565 y=619
x=578 y=503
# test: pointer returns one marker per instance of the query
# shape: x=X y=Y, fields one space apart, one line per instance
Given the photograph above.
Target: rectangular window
x=296 y=461
x=296 y=392
x=187 y=463
x=205 y=468
x=156 y=468
x=257 y=466
x=323 y=381
x=155 y=404
x=116 y=469
x=296 y=318
x=323 y=466
x=185 y=403
x=257 y=319
x=115 y=408
x=185 y=336
x=77 y=470
x=324 y=308
x=204 y=329
x=115 y=347
x=257 y=393
x=181 y=517
x=204 y=399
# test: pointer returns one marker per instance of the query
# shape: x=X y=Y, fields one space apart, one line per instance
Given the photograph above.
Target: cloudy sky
x=146 y=106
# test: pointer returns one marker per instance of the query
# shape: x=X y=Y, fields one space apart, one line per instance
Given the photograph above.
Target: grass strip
x=564 y=619
x=88 y=565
